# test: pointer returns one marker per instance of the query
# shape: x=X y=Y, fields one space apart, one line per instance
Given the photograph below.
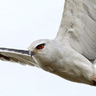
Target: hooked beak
x=31 y=53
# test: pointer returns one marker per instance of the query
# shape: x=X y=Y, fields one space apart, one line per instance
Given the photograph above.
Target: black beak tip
x=32 y=53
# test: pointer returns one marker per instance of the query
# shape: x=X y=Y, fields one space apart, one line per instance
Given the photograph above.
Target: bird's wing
x=78 y=26
x=18 y=56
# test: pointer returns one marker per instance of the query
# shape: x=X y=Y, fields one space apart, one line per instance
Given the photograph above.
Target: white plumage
x=72 y=53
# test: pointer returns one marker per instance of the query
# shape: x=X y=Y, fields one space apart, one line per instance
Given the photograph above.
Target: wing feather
x=18 y=56
x=78 y=26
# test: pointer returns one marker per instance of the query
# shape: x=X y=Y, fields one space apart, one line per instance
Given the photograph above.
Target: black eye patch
x=41 y=46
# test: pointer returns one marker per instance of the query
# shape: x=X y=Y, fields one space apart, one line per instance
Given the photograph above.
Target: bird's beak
x=31 y=53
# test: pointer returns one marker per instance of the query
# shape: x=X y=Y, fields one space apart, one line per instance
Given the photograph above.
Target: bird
x=72 y=53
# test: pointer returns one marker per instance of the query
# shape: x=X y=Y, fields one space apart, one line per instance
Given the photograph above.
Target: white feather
x=71 y=54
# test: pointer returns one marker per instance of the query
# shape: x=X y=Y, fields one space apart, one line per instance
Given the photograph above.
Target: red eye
x=41 y=46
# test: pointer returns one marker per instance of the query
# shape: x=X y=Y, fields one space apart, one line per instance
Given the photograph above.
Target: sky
x=21 y=23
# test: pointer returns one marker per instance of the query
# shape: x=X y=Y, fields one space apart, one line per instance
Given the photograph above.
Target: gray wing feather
x=18 y=56
x=78 y=26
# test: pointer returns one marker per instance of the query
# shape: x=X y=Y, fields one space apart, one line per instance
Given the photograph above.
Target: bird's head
x=44 y=51
x=39 y=45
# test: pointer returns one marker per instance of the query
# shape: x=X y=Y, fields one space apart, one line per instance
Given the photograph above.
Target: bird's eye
x=41 y=46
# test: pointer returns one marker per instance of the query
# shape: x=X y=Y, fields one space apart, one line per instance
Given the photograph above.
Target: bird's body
x=64 y=61
x=69 y=55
